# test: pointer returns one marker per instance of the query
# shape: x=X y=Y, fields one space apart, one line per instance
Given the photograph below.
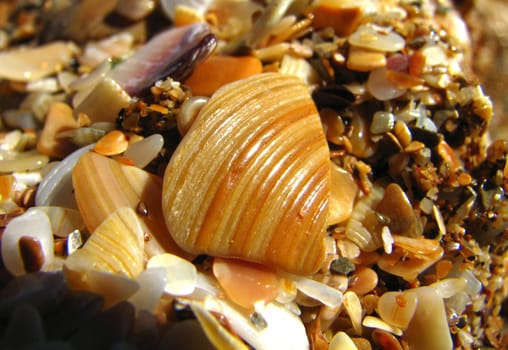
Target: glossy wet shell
x=251 y=177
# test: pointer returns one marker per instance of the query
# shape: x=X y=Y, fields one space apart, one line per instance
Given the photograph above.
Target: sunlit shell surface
x=102 y=185
x=251 y=177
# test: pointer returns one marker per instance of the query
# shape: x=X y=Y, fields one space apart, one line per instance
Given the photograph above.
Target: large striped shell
x=251 y=177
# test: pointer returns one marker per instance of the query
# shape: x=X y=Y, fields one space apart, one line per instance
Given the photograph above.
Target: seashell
x=319 y=291
x=135 y=10
x=23 y=161
x=342 y=195
x=29 y=64
x=363 y=227
x=354 y=309
x=365 y=60
x=111 y=258
x=141 y=153
x=35 y=225
x=279 y=328
x=397 y=308
x=113 y=287
x=342 y=341
x=449 y=287
x=181 y=275
x=377 y=323
x=299 y=67
x=151 y=286
x=83 y=136
x=59 y=118
x=63 y=220
x=382 y=88
x=188 y=112
x=115 y=46
x=245 y=283
x=396 y=206
x=113 y=143
x=414 y=256
x=55 y=188
x=428 y=328
x=265 y=194
x=215 y=331
x=115 y=246
x=102 y=185
x=386 y=340
x=368 y=37
x=363 y=280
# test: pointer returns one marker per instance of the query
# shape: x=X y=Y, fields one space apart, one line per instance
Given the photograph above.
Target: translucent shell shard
x=251 y=178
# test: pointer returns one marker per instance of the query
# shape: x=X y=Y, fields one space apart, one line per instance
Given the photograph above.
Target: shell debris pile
x=248 y=175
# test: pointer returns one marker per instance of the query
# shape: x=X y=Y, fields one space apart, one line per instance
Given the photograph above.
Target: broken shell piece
x=216 y=332
x=354 y=309
x=342 y=341
x=102 y=185
x=364 y=228
x=428 y=328
x=410 y=257
x=368 y=37
x=30 y=64
x=113 y=143
x=319 y=291
x=276 y=153
x=281 y=328
x=181 y=275
x=33 y=224
x=59 y=118
x=116 y=246
x=151 y=286
x=113 y=287
x=397 y=308
x=396 y=206
x=342 y=195
x=377 y=323
x=245 y=283
x=63 y=220
x=141 y=153
x=56 y=187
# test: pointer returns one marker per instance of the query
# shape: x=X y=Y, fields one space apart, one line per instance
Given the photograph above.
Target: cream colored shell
x=251 y=177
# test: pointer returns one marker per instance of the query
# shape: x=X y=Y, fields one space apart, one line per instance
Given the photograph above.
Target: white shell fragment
x=216 y=332
x=283 y=330
x=151 y=286
x=384 y=40
x=55 y=188
x=353 y=307
x=448 y=287
x=34 y=223
x=319 y=291
x=30 y=64
x=428 y=328
x=342 y=341
x=63 y=220
x=144 y=151
x=377 y=323
x=113 y=287
x=181 y=275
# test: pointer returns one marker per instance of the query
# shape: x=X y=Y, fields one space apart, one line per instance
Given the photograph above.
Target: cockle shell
x=251 y=178
x=103 y=185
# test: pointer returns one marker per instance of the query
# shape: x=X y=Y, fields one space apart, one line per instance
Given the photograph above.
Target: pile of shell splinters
x=247 y=174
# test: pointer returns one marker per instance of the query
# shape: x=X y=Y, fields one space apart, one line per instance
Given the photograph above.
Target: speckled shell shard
x=251 y=178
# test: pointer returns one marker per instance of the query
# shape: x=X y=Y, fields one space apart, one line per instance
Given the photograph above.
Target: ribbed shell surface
x=251 y=177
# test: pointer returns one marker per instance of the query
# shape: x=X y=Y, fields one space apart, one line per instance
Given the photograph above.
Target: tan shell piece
x=251 y=178
x=102 y=185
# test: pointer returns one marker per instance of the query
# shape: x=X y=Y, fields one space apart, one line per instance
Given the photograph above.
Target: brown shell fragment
x=251 y=178
x=103 y=185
